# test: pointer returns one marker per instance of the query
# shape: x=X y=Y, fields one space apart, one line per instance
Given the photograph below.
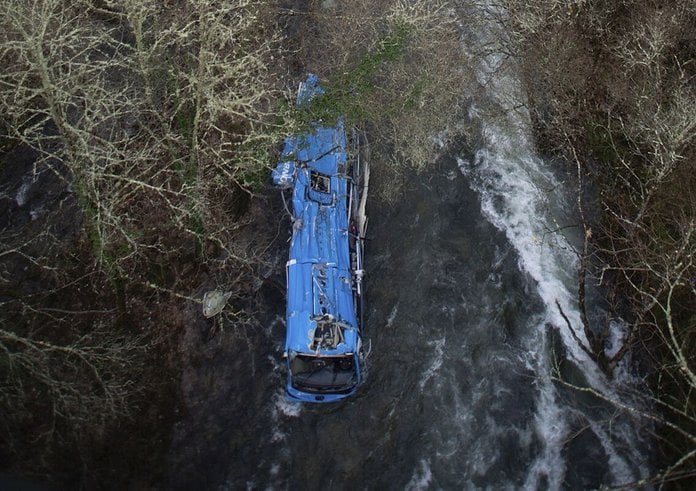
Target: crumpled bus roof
x=319 y=276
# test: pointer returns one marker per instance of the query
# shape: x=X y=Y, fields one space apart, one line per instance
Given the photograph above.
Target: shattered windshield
x=323 y=373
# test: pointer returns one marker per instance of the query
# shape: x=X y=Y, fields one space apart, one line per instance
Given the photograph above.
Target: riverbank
x=610 y=90
x=122 y=204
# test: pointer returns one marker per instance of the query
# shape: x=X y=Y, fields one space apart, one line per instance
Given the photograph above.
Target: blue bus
x=327 y=172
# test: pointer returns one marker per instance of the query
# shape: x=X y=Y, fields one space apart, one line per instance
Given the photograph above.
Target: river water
x=464 y=274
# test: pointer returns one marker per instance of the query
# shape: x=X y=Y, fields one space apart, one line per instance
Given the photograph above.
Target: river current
x=464 y=272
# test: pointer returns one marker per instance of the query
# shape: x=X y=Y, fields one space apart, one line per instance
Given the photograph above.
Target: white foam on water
x=618 y=331
x=21 y=196
x=281 y=408
x=392 y=315
x=551 y=427
x=421 y=477
x=513 y=185
x=284 y=407
x=618 y=467
x=436 y=363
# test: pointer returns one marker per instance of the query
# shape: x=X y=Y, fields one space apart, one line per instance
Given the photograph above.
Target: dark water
x=456 y=394
x=447 y=311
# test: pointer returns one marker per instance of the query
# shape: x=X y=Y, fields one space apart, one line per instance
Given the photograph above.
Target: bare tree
x=611 y=88
x=398 y=66
x=160 y=124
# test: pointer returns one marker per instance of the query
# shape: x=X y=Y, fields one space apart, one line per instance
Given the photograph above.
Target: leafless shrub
x=83 y=381
x=405 y=73
x=161 y=123
x=621 y=106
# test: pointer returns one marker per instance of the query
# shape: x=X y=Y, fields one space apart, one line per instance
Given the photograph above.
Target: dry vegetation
x=398 y=66
x=612 y=86
x=147 y=129
x=142 y=132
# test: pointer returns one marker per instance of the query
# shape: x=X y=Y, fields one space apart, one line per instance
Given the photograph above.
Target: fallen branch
x=575 y=336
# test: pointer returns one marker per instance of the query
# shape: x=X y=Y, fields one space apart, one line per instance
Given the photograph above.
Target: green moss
x=413 y=97
x=254 y=178
x=198 y=228
x=348 y=94
x=183 y=119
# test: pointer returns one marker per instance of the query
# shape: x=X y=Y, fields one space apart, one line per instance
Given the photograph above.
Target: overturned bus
x=326 y=172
